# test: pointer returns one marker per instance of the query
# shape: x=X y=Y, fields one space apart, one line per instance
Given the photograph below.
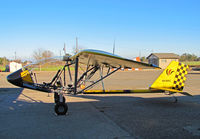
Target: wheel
x=61 y=108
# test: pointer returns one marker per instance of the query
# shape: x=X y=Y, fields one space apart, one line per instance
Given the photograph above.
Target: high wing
x=97 y=57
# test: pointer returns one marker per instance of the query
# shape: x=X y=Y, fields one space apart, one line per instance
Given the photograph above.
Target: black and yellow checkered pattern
x=179 y=80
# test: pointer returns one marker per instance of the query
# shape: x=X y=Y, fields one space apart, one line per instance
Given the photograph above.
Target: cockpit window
x=45 y=64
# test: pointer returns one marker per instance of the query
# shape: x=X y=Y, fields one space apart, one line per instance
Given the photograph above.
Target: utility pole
x=64 y=49
x=114 y=47
x=15 y=55
x=76 y=51
x=139 y=53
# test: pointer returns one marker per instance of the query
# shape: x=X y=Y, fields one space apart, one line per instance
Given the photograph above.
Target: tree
x=47 y=54
x=42 y=54
x=3 y=61
x=143 y=59
x=37 y=54
x=188 y=57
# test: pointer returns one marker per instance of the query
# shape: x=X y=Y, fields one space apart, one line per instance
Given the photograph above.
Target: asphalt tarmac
x=27 y=113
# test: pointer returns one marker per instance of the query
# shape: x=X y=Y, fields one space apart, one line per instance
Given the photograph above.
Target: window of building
x=163 y=60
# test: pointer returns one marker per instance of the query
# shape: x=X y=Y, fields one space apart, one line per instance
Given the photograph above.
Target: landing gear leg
x=176 y=100
x=172 y=93
x=61 y=107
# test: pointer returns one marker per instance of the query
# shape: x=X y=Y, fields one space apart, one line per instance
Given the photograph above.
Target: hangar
x=162 y=59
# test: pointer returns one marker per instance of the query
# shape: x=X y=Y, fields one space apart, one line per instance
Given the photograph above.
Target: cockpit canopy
x=30 y=75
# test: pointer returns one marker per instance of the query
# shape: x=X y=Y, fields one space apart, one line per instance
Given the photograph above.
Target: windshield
x=45 y=69
x=49 y=64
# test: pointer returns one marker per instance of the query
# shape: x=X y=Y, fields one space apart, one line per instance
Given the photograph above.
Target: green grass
x=192 y=63
x=52 y=68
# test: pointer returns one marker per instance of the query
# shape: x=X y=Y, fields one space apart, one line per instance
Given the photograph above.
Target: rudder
x=172 y=78
x=180 y=78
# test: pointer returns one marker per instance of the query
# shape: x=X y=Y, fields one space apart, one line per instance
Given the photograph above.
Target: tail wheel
x=61 y=108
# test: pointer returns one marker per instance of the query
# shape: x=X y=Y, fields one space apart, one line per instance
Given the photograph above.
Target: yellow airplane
x=171 y=80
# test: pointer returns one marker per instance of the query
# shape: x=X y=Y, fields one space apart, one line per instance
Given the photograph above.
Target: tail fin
x=172 y=78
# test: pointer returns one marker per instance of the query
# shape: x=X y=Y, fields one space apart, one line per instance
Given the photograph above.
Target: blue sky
x=138 y=26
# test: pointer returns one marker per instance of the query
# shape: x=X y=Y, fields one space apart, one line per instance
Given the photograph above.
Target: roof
x=165 y=55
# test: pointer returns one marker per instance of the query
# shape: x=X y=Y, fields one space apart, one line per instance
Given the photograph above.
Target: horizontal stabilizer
x=169 y=89
x=186 y=94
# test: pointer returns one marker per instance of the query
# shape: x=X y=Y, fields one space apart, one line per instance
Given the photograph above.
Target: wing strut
x=85 y=74
x=69 y=71
x=76 y=76
x=101 y=76
x=99 y=80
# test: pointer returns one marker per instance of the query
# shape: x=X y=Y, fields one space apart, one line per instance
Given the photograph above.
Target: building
x=14 y=66
x=162 y=59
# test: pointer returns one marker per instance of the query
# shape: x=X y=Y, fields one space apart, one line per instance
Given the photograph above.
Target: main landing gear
x=61 y=107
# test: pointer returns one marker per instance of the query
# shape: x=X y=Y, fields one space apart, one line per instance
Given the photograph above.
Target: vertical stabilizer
x=172 y=78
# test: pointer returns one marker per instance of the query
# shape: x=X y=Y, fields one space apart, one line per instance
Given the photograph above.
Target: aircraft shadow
x=155 y=117
x=165 y=101
x=145 y=117
x=10 y=94
x=11 y=90
x=8 y=97
x=9 y=101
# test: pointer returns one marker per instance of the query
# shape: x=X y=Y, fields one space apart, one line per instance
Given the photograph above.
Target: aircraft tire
x=61 y=108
